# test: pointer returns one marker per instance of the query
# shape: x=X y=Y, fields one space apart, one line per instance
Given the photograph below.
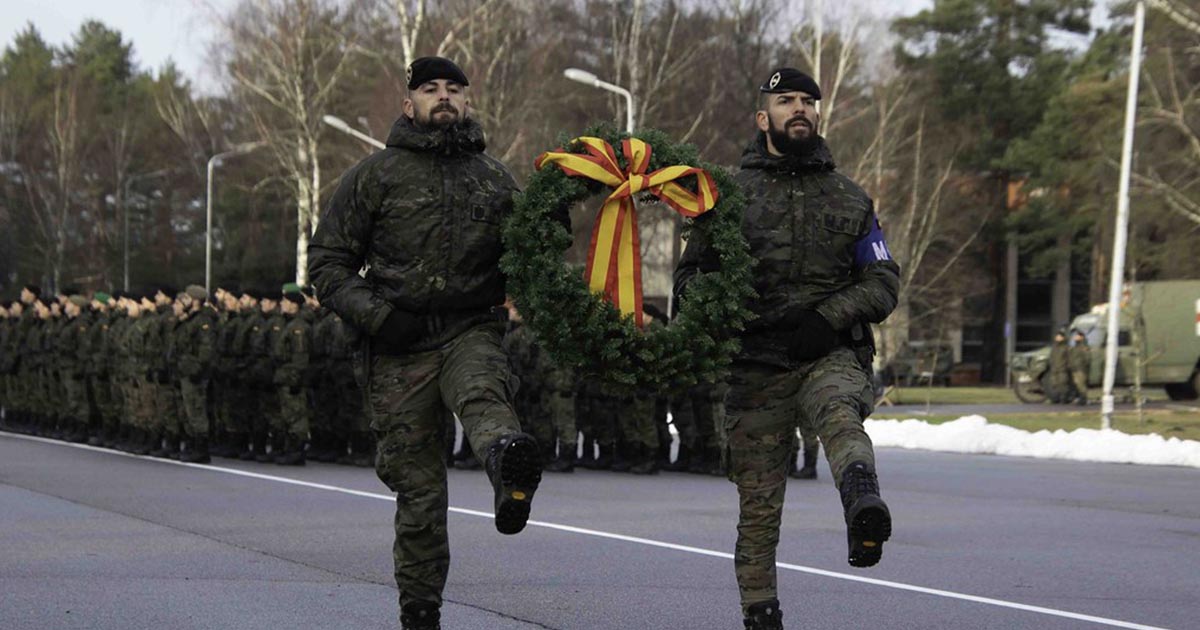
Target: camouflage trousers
x=561 y=407
x=294 y=412
x=108 y=404
x=635 y=421
x=828 y=397
x=409 y=396
x=698 y=414
x=1079 y=381
x=193 y=407
x=140 y=398
x=166 y=410
x=78 y=408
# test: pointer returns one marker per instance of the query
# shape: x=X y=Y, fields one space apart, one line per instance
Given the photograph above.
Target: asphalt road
x=100 y=540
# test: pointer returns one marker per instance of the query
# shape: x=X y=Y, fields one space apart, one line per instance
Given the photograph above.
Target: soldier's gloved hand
x=812 y=336
x=400 y=330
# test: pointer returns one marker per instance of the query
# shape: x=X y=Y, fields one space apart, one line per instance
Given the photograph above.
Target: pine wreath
x=580 y=329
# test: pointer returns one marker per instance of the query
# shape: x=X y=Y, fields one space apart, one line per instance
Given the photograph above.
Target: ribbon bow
x=614 y=265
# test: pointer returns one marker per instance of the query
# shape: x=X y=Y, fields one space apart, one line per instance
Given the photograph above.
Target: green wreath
x=581 y=330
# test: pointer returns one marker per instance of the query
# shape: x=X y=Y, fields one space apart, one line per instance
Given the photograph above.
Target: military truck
x=1158 y=343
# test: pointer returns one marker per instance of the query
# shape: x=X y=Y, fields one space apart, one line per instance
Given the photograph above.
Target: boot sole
x=520 y=474
x=869 y=528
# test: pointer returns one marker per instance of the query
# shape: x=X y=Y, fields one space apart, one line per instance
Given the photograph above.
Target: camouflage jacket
x=423 y=216
x=159 y=350
x=816 y=240
x=1059 y=362
x=245 y=325
x=74 y=349
x=196 y=345
x=291 y=347
x=100 y=345
x=8 y=349
x=1080 y=358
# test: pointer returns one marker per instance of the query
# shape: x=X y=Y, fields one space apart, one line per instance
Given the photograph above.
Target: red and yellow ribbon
x=614 y=265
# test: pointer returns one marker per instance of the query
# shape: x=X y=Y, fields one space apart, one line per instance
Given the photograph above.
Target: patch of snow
x=974 y=434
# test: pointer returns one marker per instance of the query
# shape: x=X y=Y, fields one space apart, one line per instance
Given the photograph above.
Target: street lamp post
x=240 y=149
x=1120 y=235
x=344 y=127
x=587 y=78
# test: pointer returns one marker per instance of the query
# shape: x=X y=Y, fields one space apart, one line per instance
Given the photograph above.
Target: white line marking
x=1116 y=623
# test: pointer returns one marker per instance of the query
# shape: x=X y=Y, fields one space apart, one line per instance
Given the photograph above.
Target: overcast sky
x=179 y=29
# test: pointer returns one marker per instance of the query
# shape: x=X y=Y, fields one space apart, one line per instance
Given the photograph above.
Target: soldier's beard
x=785 y=143
x=430 y=122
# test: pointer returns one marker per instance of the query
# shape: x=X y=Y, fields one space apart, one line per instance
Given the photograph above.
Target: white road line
x=1115 y=623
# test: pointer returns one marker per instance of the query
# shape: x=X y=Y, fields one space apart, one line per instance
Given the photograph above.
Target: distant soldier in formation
x=1080 y=360
x=290 y=351
x=1060 y=370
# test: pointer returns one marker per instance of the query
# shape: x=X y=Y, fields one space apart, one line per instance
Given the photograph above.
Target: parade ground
x=95 y=539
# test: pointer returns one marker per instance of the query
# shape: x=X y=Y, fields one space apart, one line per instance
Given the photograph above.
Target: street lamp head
x=335 y=122
x=582 y=76
x=247 y=147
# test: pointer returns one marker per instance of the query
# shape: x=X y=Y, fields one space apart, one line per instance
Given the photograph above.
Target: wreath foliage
x=580 y=329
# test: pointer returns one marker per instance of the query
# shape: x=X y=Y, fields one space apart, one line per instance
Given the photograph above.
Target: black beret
x=294 y=298
x=308 y=290
x=791 y=80
x=427 y=69
x=34 y=289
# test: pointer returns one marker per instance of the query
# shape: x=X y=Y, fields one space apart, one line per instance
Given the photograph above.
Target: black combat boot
x=809 y=470
x=764 y=616
x=681 y=460
x=160 y=448
x=276 y=448
x=565 y=460
x=171 y=447
x=292 y=453
x=197 y=452
x=644 y=460
x=621 y=457
x=143 y=442
x=868 y=521
x=420 y=616
x=515 y=468
x=361 y=453
x=466 y=460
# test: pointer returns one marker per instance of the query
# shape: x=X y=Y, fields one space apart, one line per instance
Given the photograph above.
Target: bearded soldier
x=824 y=273
x=423 y=216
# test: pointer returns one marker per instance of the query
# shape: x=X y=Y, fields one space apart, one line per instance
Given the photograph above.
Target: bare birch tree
x=288 y=59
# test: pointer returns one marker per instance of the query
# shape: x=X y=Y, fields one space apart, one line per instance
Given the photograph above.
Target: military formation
x=271 y=376
x=250 y=374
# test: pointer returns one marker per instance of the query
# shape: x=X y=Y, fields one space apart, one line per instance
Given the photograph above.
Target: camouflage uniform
x=73 y=357
x=161 y=359
x=8 y=363
x=101 y=377
x=238 y=389
x=1080 y=360
x=262 y=377
x=1060 y=372
x=196 y=353
x=819 y=247
x=424 y=216
x=524 y=360
x=291 y=353
x=140 y=394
